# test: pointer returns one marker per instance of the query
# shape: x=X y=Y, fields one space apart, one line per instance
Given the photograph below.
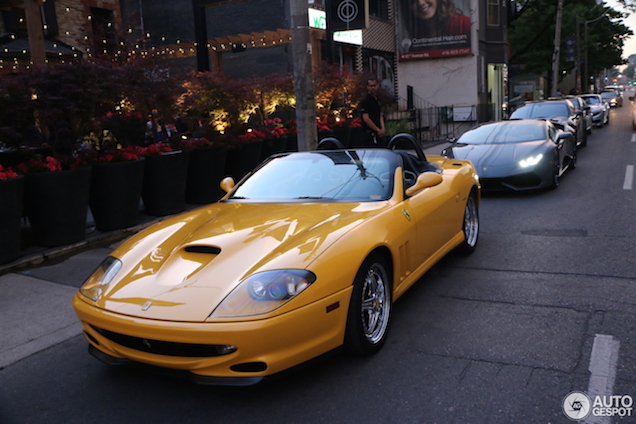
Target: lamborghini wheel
x=470 y=226
x=556 y=175
x=370 y=308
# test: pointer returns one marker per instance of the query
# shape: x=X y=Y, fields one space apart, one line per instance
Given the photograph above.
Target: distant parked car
x=560 y=111
x=599 y=108
x=581 y=106
x=613 y=98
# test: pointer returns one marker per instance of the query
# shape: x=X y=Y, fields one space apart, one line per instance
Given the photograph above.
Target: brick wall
x=72 y=23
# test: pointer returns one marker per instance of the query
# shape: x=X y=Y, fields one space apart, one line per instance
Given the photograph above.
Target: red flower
x=52 y=164
x=7 y=174
x=154 y=149
x=193 y=143
x=322 y=125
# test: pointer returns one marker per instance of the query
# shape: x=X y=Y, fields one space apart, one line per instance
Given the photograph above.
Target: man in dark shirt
x=371 y=111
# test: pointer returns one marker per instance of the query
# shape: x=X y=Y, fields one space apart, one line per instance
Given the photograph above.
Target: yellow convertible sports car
x=306 y=254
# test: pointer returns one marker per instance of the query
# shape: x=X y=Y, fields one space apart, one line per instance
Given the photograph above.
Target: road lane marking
x=602 y=369
x=628 y=184
x=633 y=138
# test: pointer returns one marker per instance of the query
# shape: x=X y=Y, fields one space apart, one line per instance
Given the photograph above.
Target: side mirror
x=424 y=180
x=227 y=184
x=563 y=136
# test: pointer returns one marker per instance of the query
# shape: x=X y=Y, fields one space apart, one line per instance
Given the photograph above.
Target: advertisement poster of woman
x=434 y=28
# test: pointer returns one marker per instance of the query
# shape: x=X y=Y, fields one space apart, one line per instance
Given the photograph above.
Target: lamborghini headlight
x=531 y=161
x=94 y=287
x=263 y=292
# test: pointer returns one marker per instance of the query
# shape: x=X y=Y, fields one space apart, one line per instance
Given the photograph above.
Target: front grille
x=516 y=182
x=159 y=347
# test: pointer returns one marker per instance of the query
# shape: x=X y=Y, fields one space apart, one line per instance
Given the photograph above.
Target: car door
x=436 y=214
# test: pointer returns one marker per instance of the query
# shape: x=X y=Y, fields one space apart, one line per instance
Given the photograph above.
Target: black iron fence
x=434 y=124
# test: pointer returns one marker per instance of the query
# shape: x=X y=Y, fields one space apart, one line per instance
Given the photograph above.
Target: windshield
x=541 y=110
x=505 y=133
x=351 y=175
x=608 y=95
x=592 y=100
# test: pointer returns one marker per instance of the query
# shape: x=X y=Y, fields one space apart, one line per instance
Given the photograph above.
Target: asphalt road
x=544 y=307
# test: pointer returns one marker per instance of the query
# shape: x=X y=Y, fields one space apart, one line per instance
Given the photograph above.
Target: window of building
x=379 y=8
x=493 y=13
x=103 y=31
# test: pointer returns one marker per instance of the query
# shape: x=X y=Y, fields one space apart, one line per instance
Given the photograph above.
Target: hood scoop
x=209 y=250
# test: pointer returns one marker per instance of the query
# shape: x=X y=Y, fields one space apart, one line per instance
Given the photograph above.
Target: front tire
x=370 y=308
x=470 y=226
x=556 y=174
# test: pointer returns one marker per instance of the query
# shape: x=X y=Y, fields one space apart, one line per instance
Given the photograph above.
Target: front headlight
x=94 y=287
x=530 y=161
x=263 y=292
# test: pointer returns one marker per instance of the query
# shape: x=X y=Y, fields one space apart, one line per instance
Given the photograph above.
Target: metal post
x=201 y=36
x=303 y=76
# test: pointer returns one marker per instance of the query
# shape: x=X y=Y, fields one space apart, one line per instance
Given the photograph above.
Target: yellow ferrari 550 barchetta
x=305 y=255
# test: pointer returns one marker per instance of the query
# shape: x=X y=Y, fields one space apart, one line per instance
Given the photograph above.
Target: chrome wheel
x=471 y=225
x=376 y=304
x=370 y=308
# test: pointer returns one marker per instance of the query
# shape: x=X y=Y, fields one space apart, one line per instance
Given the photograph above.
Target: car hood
x=497 y=160
x=187 y=265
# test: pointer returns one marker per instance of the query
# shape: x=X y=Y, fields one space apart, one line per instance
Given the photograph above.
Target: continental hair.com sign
x=433 y=28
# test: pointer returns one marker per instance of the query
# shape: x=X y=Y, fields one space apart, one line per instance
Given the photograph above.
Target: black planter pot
x=292 y=143
x=164 y=185
x=356 y=137
x=56 y=204
x=242 y=158
x=342 y=135
x=271 y=146
x=11 y=196
x=206 y=169
x=115 y=193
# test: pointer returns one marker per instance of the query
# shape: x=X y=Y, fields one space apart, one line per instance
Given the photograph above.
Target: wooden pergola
x=34 y=28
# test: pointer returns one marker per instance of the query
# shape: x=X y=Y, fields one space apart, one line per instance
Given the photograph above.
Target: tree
x=532 y=35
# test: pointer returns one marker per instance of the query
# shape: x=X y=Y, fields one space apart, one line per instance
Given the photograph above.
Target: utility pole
x=201 y=36
x=303 y=76
x=557 y=49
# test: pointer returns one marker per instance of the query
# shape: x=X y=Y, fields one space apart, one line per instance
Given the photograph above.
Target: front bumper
x=264 y=347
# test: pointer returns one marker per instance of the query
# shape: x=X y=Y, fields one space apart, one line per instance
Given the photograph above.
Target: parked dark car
x=581 y=106
x=560 y=111
x=516 y=155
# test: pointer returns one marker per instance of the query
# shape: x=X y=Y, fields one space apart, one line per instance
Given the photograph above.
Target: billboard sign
x=433 y=28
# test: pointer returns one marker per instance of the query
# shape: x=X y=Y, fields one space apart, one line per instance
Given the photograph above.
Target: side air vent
x=210 y=250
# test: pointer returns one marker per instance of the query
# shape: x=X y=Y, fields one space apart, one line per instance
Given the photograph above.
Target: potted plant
x=275 y=140
x=164 y=185
x=115 y=192
x=206 y=169
x=244 y=154
x=11 y=194
x=56 y=198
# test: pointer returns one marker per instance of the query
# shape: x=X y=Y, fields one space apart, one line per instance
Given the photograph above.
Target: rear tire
x=470 y=227
x=370 y=308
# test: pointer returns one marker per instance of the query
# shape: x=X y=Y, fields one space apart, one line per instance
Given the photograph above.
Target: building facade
x=460 y=66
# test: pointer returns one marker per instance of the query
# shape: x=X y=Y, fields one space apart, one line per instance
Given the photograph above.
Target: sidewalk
x=36 y=290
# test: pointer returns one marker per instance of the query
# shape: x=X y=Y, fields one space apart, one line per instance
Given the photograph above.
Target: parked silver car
x=599 y=108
